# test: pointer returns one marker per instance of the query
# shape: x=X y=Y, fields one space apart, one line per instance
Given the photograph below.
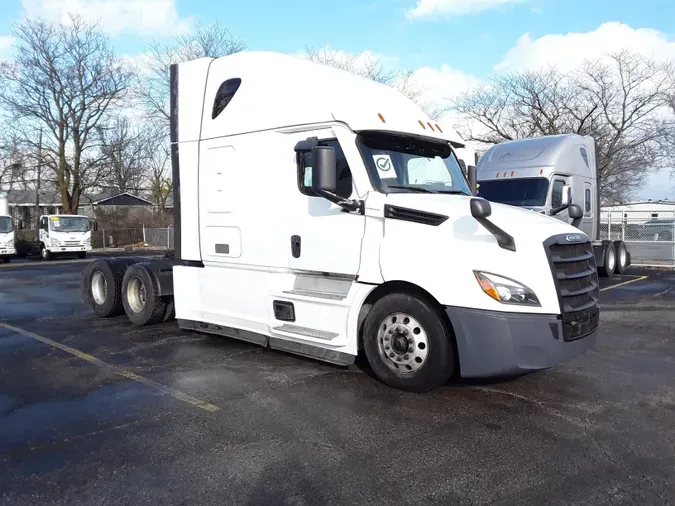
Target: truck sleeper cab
x=548 y=175
x=323 y=214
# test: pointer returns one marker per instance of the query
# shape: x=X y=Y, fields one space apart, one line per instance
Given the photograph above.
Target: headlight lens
x=10 y=243
x=505 y=290
x=55 y=242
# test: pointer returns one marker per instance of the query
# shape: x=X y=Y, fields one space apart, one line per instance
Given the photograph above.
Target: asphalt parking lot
x=100 y=412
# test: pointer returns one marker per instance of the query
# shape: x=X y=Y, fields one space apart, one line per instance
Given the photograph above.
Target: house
x=22 y=205
x=639 y=211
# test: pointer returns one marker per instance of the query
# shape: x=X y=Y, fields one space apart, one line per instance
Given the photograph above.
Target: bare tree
x=153 y=70
x=369 y=66
x=65 y=79
x=618 y=100
x=123 y=154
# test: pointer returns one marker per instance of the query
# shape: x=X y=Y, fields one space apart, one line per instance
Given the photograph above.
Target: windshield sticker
x=384 y=166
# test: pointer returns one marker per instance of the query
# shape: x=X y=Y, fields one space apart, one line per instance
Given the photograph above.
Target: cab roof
x=566 y=153
x=279 y=90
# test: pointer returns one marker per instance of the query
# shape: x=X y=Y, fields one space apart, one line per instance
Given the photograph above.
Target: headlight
x=55 y=242
x=505 y=290
x=10 y=243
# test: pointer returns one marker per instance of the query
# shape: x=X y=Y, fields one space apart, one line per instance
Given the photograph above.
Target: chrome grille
x=577 y=285
x=72 y=244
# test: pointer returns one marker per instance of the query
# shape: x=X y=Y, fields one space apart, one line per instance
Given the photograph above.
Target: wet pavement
x=101 y=412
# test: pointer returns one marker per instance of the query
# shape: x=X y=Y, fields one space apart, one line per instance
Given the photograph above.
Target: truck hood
x=520 y=223
x=442 y=259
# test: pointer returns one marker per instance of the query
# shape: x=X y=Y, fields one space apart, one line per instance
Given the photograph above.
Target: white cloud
x=429 y=8
x=568 y=51
x=145 y=17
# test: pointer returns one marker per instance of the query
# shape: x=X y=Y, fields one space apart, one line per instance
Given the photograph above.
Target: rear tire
x=609 y=264
x=621 y=257
x=140 y=296
x=407 y=343
x=103 y=279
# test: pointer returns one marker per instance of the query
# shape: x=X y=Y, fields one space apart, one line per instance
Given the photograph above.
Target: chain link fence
x=161 y=238
x=649 y=237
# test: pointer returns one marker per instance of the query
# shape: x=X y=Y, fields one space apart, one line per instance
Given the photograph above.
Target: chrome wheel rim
x=136 y=295
x=402 y=343
x=44 y=252
x=99 y=288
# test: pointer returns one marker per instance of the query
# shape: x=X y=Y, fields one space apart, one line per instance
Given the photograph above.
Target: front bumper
x=69 y=249
x=492 y=343
x=7 y=251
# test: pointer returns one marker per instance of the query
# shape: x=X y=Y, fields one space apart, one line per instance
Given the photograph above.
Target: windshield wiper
x=453 y=192
x=412 y=188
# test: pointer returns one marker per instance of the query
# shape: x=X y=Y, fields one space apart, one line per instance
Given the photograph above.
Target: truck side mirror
x=324 y=170
x=575 y=212
x=472 y=179
x=567 y=195
x=480 y=208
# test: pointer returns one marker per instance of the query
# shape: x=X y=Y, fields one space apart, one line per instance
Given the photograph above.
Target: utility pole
x=37 y=185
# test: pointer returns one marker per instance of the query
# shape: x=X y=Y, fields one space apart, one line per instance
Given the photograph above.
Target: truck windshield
x=400 y=164
x=6 y=224
x=529 y=192
x=69 y=224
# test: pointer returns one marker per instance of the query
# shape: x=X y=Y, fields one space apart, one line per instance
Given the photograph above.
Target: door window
x=588 y=201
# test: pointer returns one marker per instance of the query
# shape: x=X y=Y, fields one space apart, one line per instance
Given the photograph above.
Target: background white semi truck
x=323 y=214
x=546 y=175
x=7 y=234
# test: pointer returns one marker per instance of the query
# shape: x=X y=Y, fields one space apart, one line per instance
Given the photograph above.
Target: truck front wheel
x=140 y=296
x=45 y=254
x=407 y=343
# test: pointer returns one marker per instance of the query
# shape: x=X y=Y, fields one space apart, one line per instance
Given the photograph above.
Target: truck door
x=324 y=238
x=44 y=231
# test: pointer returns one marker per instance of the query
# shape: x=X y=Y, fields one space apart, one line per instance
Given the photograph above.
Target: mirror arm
x=559 y=209
x=347 y=204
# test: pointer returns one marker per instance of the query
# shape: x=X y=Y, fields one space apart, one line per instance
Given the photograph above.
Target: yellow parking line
x=122 y=372
x=624 y=283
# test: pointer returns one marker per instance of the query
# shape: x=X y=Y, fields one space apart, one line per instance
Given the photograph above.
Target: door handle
x=295 y=246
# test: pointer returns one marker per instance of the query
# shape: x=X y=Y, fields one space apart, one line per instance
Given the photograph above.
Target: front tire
x=140 y=296
x=407 y=343
x=45 y=254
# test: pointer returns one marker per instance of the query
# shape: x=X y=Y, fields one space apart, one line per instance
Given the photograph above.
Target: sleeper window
x=588 y=201
x=344 y=174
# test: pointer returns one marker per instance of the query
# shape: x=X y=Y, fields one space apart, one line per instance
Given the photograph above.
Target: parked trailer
x=548 y=175
x=327 y=215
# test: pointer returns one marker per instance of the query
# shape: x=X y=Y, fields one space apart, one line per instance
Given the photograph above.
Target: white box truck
x=7 y=237
x=546 y=175
x=324 y=214
x=64 y=234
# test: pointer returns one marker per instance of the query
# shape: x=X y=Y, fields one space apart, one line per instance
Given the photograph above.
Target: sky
x=451 y=45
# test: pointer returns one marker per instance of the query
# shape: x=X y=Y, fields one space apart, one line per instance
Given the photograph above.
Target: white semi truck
x=323 y=214
x=7 y=237
x=546 y=175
